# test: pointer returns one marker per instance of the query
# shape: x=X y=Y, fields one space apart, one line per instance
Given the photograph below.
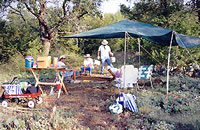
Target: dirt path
x=89 y=102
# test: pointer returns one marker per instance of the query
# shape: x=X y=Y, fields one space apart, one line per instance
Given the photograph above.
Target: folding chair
x=145 y=72
x=129 y=77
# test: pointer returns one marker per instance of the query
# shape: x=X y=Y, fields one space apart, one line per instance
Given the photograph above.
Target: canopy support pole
x=124 y=61
x=169 y=62
x=139 y=51
x=125 y=50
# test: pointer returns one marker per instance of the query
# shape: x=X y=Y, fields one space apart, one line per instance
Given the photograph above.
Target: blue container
x=29 y=61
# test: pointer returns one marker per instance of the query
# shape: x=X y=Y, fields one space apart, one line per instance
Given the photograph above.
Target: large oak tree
x=67 y=12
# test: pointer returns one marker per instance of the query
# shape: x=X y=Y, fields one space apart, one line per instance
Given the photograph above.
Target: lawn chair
x=129 y=77
x=145 y=72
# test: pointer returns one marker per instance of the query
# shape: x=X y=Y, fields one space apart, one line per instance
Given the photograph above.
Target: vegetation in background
x=50 y=18
x=16 y=36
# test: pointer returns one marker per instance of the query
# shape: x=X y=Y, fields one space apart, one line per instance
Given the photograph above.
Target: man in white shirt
x=88 y=64
x=104 y=53
x=62 y=64
x=61 y=61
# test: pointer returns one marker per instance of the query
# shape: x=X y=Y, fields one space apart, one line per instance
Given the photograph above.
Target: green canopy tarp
x=136 y=29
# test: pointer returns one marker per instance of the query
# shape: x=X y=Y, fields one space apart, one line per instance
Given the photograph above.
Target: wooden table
x=36 y=73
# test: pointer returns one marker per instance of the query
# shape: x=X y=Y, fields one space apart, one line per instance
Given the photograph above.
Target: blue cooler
x=29 y=61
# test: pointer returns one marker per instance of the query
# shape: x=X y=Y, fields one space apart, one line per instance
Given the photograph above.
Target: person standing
x=104 y=52
x=88 y=64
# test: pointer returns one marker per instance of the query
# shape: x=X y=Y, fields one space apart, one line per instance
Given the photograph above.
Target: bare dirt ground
x=90 y=104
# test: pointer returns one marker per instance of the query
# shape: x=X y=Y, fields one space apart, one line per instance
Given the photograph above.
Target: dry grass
x=145 y=109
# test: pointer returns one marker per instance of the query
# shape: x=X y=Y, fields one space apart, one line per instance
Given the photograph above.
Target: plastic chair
x=129 y=77
x=145 y=72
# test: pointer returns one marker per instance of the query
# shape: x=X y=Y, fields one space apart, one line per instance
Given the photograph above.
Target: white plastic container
x=97 y=62
x=113 y=59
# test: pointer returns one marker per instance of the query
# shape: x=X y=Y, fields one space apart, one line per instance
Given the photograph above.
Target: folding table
x=36 y=72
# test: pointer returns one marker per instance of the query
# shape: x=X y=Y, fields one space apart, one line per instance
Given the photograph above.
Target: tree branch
x=18 y=13
x=30 y=10
x=40 y=17
x=63 y=7
x=63 y=20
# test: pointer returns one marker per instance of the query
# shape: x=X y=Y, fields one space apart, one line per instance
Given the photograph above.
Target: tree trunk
x=46 y=48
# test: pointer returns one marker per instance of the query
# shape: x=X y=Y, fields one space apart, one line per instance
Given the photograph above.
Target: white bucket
x=97 y=62
x=113 y=59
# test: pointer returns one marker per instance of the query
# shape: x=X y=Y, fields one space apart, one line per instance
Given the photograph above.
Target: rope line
x=146 y=51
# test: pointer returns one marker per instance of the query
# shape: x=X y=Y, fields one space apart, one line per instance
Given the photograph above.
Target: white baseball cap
x=87 y=55
x=62 y=57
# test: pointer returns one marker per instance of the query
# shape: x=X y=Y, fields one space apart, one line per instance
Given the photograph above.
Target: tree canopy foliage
x=51 y=14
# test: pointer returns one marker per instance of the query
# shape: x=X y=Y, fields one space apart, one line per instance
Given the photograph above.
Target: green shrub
x=173 y=103
x=35 y=48
x=162 y=125
x=14 y=67
x=60 y=119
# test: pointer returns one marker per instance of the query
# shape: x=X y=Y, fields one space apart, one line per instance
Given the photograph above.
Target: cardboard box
x=44 y=62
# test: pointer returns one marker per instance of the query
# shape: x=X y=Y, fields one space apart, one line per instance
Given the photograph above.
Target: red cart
x=30 y=98
x=13 y=92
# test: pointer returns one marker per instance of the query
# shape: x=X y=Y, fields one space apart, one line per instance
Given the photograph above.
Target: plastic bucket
x=58 y=85
x=113 y=59
x=29 y=61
